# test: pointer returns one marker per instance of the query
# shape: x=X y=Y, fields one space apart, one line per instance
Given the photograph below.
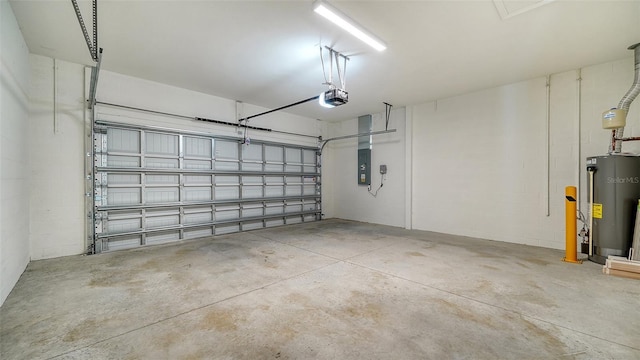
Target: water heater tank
x=616 y=190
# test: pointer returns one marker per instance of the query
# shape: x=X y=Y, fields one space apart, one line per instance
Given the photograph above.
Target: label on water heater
x=597 y=211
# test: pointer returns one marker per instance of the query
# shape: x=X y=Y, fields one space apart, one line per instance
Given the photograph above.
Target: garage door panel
x=197 y=180
x=162 y=163
x=162 y=237
x=198 y=232
x=274 y=222
x=155 y=186
x=226 y=150
x=123 y=179
x=227 y=193
x=122 y=140
x=198 y=218
x=123 y=196
x=252 y=152
x=274 y=209
x=274 y=153
x=252 y=211
x=124 y=225
x=197 y=147
x=161 y=144
x=227 y=213
x=123 y=161
x=162 y=221
x=123 y=242
x=226 y=229
x=162 y=179
x=197 y=164
x=252 y=192
x=252 y=225
x=274 y=191
x=251 y=166
x=197 y=193
x=156 y=195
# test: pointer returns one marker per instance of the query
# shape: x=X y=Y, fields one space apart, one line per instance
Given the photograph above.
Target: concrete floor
x=327 y=290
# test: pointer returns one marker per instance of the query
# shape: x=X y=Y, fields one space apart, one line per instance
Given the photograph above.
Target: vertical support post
x=571 y=252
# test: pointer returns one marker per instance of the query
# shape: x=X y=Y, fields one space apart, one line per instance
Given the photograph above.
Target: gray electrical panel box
x=364 y=167
x=616 y=190
x=364 y=149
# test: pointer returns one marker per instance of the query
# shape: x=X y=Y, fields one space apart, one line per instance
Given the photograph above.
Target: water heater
x=616 y=191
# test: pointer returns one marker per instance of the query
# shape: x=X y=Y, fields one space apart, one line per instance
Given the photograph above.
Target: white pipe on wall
x=55 y=96
x=579 y=133
x=547 y=149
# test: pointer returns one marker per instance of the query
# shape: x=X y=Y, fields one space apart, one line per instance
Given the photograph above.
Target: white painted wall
x=479 y=159
x=14 y=152
x=344 y=197
x=57 y=157
x=57 y=162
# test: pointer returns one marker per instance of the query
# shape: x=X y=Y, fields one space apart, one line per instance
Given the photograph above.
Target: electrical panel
x=364 y=167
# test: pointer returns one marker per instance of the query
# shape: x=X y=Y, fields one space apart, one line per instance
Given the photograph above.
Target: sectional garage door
x=155 y=185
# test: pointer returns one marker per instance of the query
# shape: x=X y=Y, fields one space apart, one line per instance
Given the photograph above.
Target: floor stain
x=414 y=253
x=537 y=261
x=484 y=286
x=220 y=320
x=551 y=342
x=360 y=305
x=80 y=331
x=465 y=314
x=367 y=311
x=152 y=264
x=487 y=255
x=490 y=267
x=298 y=298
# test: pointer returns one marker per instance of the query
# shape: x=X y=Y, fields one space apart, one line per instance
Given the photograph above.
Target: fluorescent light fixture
x=337 y=17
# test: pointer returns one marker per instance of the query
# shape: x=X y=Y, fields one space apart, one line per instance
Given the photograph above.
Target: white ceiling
x=266 y=52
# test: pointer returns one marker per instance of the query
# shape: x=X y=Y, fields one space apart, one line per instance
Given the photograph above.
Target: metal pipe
x=579 y=131
x=55 y=96
x=357 y=135
x=633 y=92
x=281 y=108
x=547 y=146
x=628 y=98
x=635 y=138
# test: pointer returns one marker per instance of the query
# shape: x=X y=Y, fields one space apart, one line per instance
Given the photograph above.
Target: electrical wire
x=379 y=187
x=581 y=217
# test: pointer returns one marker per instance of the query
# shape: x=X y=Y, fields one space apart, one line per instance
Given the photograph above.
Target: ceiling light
x=345 y=22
